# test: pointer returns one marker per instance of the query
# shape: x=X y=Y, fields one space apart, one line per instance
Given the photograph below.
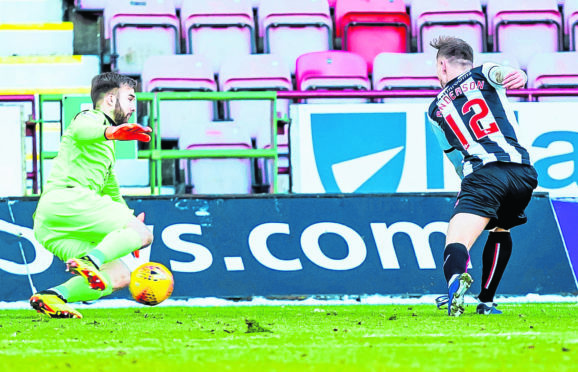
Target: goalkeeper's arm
x=128 y=132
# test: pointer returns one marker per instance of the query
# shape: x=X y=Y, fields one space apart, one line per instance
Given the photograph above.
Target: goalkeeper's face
x=125 y=104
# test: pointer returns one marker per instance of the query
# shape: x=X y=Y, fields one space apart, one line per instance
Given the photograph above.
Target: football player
x=476 y=128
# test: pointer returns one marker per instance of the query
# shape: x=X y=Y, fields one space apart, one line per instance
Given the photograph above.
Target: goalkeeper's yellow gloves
x=128 y=132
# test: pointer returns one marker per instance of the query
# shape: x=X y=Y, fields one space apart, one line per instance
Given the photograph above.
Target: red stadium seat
x=524 y=27
x=571 y=22
x=218 y=29
x=460 y=18
x=405 y=71
x=370 y=27
x=180 y=73
x=332 y=70
x=138 y=30
x=290 y=28
x=554 y=70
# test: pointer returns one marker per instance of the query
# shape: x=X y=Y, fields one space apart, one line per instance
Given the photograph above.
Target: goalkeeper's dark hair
x=453 y=49
x=105 y=82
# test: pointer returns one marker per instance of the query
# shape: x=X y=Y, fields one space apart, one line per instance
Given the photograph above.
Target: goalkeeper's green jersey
x=86 y=158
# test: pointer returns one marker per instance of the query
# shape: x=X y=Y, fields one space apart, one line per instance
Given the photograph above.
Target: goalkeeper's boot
x=87 y=269
x=484 y=309
x=51 y=304
x=456 y=293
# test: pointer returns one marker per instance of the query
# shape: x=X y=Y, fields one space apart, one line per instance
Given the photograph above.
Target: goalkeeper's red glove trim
x=128 y=132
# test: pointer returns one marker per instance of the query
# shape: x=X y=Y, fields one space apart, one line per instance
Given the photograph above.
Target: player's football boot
x=456 y=293
x=86 y=268
x=442 y=302
x=53 y=306
x=487 y=310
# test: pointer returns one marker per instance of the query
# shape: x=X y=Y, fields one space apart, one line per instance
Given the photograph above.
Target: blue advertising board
x=229 y=247
x=368 y=148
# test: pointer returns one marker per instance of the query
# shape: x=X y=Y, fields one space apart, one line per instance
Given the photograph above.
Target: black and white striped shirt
x=476 y=118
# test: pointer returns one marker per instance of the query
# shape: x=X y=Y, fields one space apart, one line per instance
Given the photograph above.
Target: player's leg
x=495 y=257
x=89 y=216
x=120 y=242
x=463 y=230
x=55 y=301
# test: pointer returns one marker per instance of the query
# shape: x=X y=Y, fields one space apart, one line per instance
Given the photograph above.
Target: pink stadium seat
x=90 y=5
x=99 y=5
x=218 y=29
x=460 y=18
x=505 y=59
x=405 y=71
x=138 y=30
x=571 y=22
x=256 y=72
x=259 y=72
x=554 y=70
x=370 y=27
x=524 y=27
x=290 y=28
x=216 y=176
x=332 y=70
x=180 y=73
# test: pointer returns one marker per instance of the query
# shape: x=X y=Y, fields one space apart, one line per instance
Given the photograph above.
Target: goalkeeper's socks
x=456 y=259
x=115 y=245
x=77 y=289
x=495 y=257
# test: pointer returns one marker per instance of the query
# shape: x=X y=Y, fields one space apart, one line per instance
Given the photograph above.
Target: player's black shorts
x=500 y=191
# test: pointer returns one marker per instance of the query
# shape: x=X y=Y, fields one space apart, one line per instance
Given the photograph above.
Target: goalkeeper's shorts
x=70 y=222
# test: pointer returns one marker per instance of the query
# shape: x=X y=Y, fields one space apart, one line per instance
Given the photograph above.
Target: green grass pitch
x=528 y=337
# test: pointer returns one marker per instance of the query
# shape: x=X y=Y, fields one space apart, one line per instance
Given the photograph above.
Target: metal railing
x=155 y=154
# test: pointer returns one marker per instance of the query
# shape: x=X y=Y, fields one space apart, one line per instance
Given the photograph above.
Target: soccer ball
x=151 y=283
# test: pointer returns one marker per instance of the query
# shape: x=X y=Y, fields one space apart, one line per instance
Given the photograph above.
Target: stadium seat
x=405 y=71
x=290 y=28
x=180 y=73
x=370 y=27
x=332 y=70
x=524 y=27
x=90 y=5
x=218 y=29
x=217 y=176
x=460 y=18
x=30 y=11
x=256 y=72
x=45 y=39
x=571 y=22
x=259 y=72
x=554 y=70
x=137 y=30
x=46 y=75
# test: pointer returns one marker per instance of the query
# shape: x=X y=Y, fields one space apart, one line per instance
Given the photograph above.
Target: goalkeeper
x=81 y=217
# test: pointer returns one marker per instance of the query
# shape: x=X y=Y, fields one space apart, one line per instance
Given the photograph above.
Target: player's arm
x=112 y=189
x=90 y=126
x=504 y=76
x=451 y=152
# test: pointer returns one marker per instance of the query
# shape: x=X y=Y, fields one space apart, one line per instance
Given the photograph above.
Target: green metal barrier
x=71 y=105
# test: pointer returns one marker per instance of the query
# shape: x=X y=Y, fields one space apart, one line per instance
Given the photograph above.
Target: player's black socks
x=495 y=257
x=456 y=258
